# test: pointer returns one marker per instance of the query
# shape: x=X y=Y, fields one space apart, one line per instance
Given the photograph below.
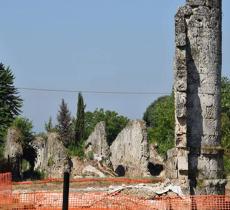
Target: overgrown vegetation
x=78 y=150
x=114 y=123
x=225 y=120
x=34 y=175
x=159 y=117
x=24 y=126
x=74 y=132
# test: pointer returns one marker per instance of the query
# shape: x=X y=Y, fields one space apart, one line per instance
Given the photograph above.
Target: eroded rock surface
x=13 y=152
x=96 y=144
x=130 y=152
x=39 y=144
x=52 y=156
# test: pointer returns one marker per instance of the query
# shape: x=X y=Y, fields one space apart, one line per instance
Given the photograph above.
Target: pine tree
x=80 y=120
x=10 y=102
x=64 y=124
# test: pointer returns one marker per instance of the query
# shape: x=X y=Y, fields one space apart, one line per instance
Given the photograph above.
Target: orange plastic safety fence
x=5 y=188
x=99 y=200
x=87 y=180
x=199 y=202
x=104 y=201
x=5 y=183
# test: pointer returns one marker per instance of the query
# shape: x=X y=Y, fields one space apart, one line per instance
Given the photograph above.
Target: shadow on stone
x=155 y=169
x=120 y=170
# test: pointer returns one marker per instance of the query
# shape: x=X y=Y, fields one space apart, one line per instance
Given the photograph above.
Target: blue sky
x=102 y=45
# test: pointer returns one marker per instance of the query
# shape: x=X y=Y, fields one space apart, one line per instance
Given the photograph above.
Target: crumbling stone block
x=183 y=163
x=196 y=2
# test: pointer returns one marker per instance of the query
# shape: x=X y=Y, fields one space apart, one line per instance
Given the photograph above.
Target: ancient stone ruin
x=129 y=155
x=130 y=151
x=96 y=144
x=13 y=152
x=197 y=158
x=52 y=156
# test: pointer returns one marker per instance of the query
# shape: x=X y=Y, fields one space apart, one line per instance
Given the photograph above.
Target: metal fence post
x=65 y=191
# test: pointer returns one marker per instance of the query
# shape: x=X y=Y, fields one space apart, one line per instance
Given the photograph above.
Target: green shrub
x=113 y=121
x=77 y=150
x=226 y=164
x=33 y=175
x=39 y=175
x=50 y=161
x=25 y=165
x=90 y=155
x=159 y=117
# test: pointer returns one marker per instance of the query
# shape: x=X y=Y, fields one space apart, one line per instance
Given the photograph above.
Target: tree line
x=74 y=130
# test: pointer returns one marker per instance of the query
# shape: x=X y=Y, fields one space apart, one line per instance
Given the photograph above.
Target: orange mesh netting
x=102 y=201
x=82 y=201
x=5 y=183
x=113 y=180
x=5 y=188
x=199 y=202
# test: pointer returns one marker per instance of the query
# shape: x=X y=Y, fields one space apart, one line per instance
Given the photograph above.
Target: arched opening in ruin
x=120 y=170
x=155 y=169
x=27 y=164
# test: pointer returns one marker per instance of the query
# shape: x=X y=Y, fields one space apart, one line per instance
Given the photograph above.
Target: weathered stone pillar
x=198 y=157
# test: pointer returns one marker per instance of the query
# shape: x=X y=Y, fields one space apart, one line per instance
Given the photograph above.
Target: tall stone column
x=198 y=158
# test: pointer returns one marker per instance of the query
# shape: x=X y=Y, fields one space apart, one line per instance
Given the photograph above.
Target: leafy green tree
x=10 y=102
x=225 y=95
x=80 y=120
x=64 y=123
x=159 y=117
x=77 y=150
x=225 y=120
x=25 y=126
x=114 y=123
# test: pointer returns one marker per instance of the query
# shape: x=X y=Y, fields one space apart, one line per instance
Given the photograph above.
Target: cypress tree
x=80 y=120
